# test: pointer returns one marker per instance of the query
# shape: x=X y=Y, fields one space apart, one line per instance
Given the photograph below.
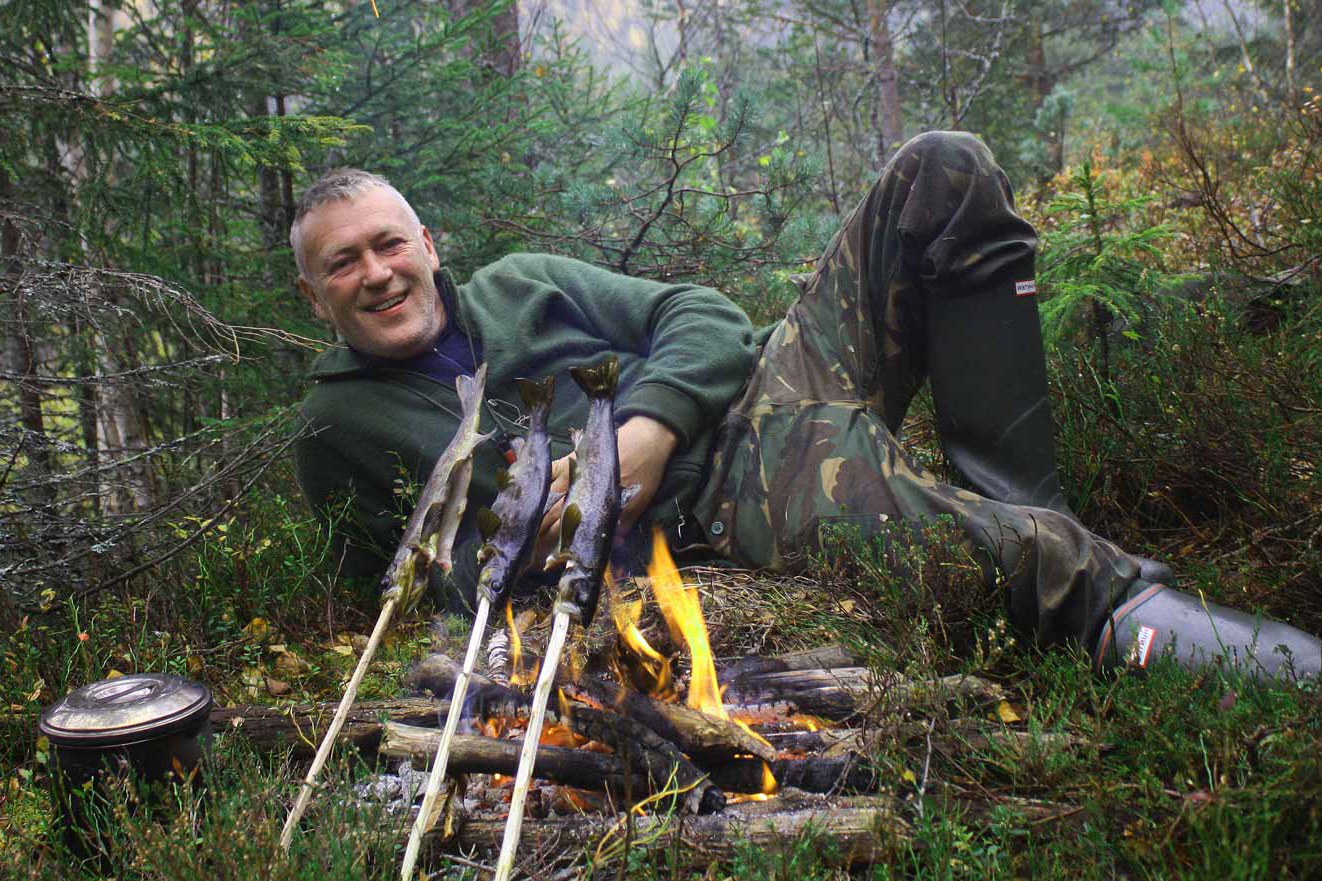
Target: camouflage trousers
x=812 y=440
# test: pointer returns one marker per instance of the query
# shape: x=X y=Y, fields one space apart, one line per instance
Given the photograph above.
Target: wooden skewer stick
x=545 y=683
x=426 y=818
x=341 y=713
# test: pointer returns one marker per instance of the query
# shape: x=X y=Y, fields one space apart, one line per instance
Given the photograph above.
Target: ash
x=399 y=790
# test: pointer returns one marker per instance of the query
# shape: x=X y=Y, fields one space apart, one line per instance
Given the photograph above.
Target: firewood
x=840 y=774
x=827 y=741
x=489 y=755
x=862 y=829
x=840 y=693
x=704 y=738
x=301 y=726
x=646 y=750
x=822 y=658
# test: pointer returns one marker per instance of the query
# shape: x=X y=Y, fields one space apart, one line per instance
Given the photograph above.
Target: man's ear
x=310 y=295
x=430 y=247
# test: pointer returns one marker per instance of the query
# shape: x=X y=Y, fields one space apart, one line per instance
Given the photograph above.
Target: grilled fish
x=592 y=507
x=509 y=527
x=430 y=532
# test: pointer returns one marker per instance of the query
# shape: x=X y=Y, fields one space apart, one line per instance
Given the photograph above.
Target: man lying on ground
x=751 y=442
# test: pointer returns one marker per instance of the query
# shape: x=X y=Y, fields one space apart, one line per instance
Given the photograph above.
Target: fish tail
x=598 y=381
x=536 y=394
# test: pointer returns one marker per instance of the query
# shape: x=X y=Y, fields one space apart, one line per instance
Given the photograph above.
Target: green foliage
x=1098 y=264
x=1209 y=459
x=915 y=594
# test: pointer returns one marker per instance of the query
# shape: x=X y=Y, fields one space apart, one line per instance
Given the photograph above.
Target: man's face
x=367 y=269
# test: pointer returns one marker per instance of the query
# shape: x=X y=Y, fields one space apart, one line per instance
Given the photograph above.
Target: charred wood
x=841 y=774
x=475 y=754
x=648 y=751
x=840 y=693
x=703 y=737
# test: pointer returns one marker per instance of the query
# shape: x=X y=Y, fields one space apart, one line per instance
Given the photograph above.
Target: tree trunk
x=1040 y=83
x=20 y=359
x=886 y=120
x=121 y=432
x=502 y=51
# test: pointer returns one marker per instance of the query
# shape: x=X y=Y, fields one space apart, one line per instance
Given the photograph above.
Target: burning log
x=301 y=726
x=648 y=752
x=839 y=774
x=701 y=736
x=474 y=754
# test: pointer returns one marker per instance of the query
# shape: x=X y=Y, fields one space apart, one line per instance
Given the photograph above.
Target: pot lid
x=126 y=709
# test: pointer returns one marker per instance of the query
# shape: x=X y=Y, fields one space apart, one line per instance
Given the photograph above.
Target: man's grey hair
x=337 y=185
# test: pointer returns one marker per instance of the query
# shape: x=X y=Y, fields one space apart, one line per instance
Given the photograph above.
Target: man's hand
x=645 y=446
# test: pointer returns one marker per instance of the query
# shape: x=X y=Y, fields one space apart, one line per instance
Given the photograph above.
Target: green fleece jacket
x=374 y=432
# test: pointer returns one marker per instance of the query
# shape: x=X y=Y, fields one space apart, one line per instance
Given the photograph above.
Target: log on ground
x=302 y=726
x=852 y=830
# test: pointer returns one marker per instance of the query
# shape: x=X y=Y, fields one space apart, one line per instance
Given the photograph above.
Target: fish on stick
x=509 y=531
x=428 y=540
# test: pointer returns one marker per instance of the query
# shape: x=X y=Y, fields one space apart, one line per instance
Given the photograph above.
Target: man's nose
x=376 y=271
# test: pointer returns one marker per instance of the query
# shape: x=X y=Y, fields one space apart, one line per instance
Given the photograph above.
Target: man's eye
x=393 y=245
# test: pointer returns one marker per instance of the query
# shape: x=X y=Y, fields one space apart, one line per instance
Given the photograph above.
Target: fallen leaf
x=257 y=630
x=908 y=776
x=290 y=664
x=278 y=648
x=277 y=687
x=342 y=649
x=195 y=664
x=1005 y=711
x=114 y=674
x=237 y=721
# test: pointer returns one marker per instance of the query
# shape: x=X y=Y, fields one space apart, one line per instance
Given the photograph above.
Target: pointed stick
x=545 y=682
x=425 y=819
x=341 y=713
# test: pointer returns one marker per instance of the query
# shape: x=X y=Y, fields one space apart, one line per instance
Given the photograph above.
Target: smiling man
x=366 y=265
x=748 y=444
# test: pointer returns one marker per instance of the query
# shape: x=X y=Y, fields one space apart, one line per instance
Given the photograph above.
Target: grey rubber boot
x=1155 y=620
x=988 y=371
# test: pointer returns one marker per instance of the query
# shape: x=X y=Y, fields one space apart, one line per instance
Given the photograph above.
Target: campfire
x=604 y=731
x=645 y=719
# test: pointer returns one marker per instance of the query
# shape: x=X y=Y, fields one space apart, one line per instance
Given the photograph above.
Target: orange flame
x=518 y=675
x=769 y=788
x=683 y=613
x=682 y=609
x=655 y=668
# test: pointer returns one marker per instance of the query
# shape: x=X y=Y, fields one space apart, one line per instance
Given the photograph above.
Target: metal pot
x=153 y=726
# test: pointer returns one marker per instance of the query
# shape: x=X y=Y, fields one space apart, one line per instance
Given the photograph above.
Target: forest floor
x=1163 y=775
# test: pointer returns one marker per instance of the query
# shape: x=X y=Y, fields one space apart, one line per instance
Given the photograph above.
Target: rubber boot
x=988 y=371
x=1155 y=620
